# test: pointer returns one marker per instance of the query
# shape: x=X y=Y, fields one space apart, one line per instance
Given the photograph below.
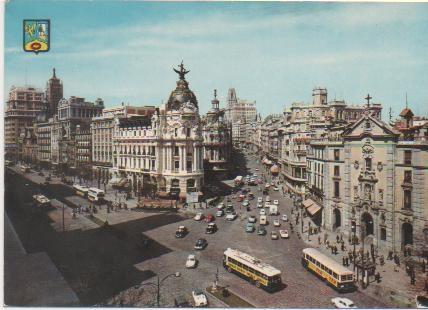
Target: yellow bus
x=81 y=190
x=336 y=275
x=260 y=274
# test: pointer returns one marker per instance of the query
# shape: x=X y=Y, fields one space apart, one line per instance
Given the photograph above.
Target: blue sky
x=274 y=53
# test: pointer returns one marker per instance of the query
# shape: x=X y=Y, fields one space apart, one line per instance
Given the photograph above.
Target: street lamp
x=158 y=284
x=353 y=230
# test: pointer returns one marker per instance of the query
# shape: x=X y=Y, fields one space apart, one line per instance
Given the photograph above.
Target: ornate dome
x=182 y=94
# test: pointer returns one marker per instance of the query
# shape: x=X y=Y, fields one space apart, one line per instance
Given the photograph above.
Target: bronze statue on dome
x=182 y=71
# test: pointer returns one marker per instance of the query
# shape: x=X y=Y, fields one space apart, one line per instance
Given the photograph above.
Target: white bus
x=261 y=274
x=336 y=275
x=81 y=190
x=95 y=194
x=238 y=180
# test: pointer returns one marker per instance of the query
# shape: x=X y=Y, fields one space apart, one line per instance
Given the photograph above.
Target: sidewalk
x=394 y=288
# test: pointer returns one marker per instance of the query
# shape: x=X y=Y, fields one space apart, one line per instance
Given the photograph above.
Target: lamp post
x=353 y=230
x=158 y=285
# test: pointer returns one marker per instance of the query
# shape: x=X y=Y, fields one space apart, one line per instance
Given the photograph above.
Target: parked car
x=284 y=234
x=259 y=205
x=285 y=217
x=219 y=213
x=259 y=199
x=199 y=216
x=231 y=216
x=212 y=228
x=181 y=302
x=267 y=199
x=209 y=218
x=199 y=298
x=261 y=231
x=249 y=228
x=343 y=303
x=257 y=169
x=191 y=261
x=263 y=220
x=252 y=219
x=276 y=188
x=201 y=244
x=181 y=232
x=245 y=203
x=274 y=235
x=276 y=202
x=262 y=212
x=276 y=223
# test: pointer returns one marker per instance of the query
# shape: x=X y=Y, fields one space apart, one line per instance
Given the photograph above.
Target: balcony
x=300 y=152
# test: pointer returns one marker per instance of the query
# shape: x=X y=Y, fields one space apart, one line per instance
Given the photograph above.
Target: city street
x=99 y=264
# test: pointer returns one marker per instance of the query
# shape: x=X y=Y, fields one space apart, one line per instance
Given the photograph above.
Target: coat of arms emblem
x=36 y=35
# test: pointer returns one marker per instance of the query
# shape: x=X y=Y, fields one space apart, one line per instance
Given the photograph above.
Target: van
x=263 y=220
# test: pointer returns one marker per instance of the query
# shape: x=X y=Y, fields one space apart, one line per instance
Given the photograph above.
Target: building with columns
x=217 y=135
x=162 y=154
x=375 y=175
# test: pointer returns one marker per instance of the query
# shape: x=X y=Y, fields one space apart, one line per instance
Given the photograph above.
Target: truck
x=273 y=209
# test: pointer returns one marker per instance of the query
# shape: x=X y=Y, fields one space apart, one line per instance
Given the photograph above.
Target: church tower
x=54 y=93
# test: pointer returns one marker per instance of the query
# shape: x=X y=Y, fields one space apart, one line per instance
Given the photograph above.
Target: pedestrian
x=337 y=238
x=332 y=249
x=343 y=261
x=347 y=261
x=342 y=247
x=389 y=255
x=423 y=266
x=382 y=260
x=319 y=239
x=377 y=277
x=413 y=279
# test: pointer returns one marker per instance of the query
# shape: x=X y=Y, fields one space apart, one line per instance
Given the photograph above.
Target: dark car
x=261 y=231
x=201 y=244
x=212 y=228
x=181 y=232
x=182 y=302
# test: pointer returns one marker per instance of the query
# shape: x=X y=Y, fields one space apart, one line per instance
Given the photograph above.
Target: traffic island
x=229 y=298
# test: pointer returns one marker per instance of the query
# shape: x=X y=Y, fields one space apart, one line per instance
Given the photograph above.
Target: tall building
x=22 y=109
x=54 y=93
x=102 y=135
x=162 y=154
x=239 y=113
x=306 y=122
x=217 y=136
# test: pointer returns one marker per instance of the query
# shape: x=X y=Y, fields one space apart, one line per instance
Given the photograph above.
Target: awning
x=313 y=209
x=311 y=206
x=162 y=194
x=307 y=203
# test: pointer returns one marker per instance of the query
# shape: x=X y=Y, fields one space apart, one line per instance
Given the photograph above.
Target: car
x=267 y=199
x=220 y=206
x=252 y=219
x=209 y=218
x=199 y=216
x=259 y=205
x=212 y=228
x=181 y=302
x=255 y=175
x=284 y=233
x=343 y=303
x=191 y=261
x=201 y=244
x=262 y=212
x=267 y=205
x=231 y=216
x=181 y=232
x=241 y=198
x=230 y=210
x=219 y=213
x=249 y=228
x=261 y=231
x=276 y=188
x=245 y=203
x=276 y=223
x=267 y=185
x=276 y=202
x=259 y=199
x=199 y=298
x=285 y=217
x=274 y=235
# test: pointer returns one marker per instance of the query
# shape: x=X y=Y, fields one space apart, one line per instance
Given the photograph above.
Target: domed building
x=162 y=155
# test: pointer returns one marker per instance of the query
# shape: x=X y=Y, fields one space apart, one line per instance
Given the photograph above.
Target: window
x=407 y=157
x=177 y=165
x=176 y=132
x=189 y=165
x=407 y=199
x=187 y=132
x=336 y=154
x=336 y=190
x=336 y=171
x=383 y=234
x=368 y=162
x=408 y=176
x=176 y=151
